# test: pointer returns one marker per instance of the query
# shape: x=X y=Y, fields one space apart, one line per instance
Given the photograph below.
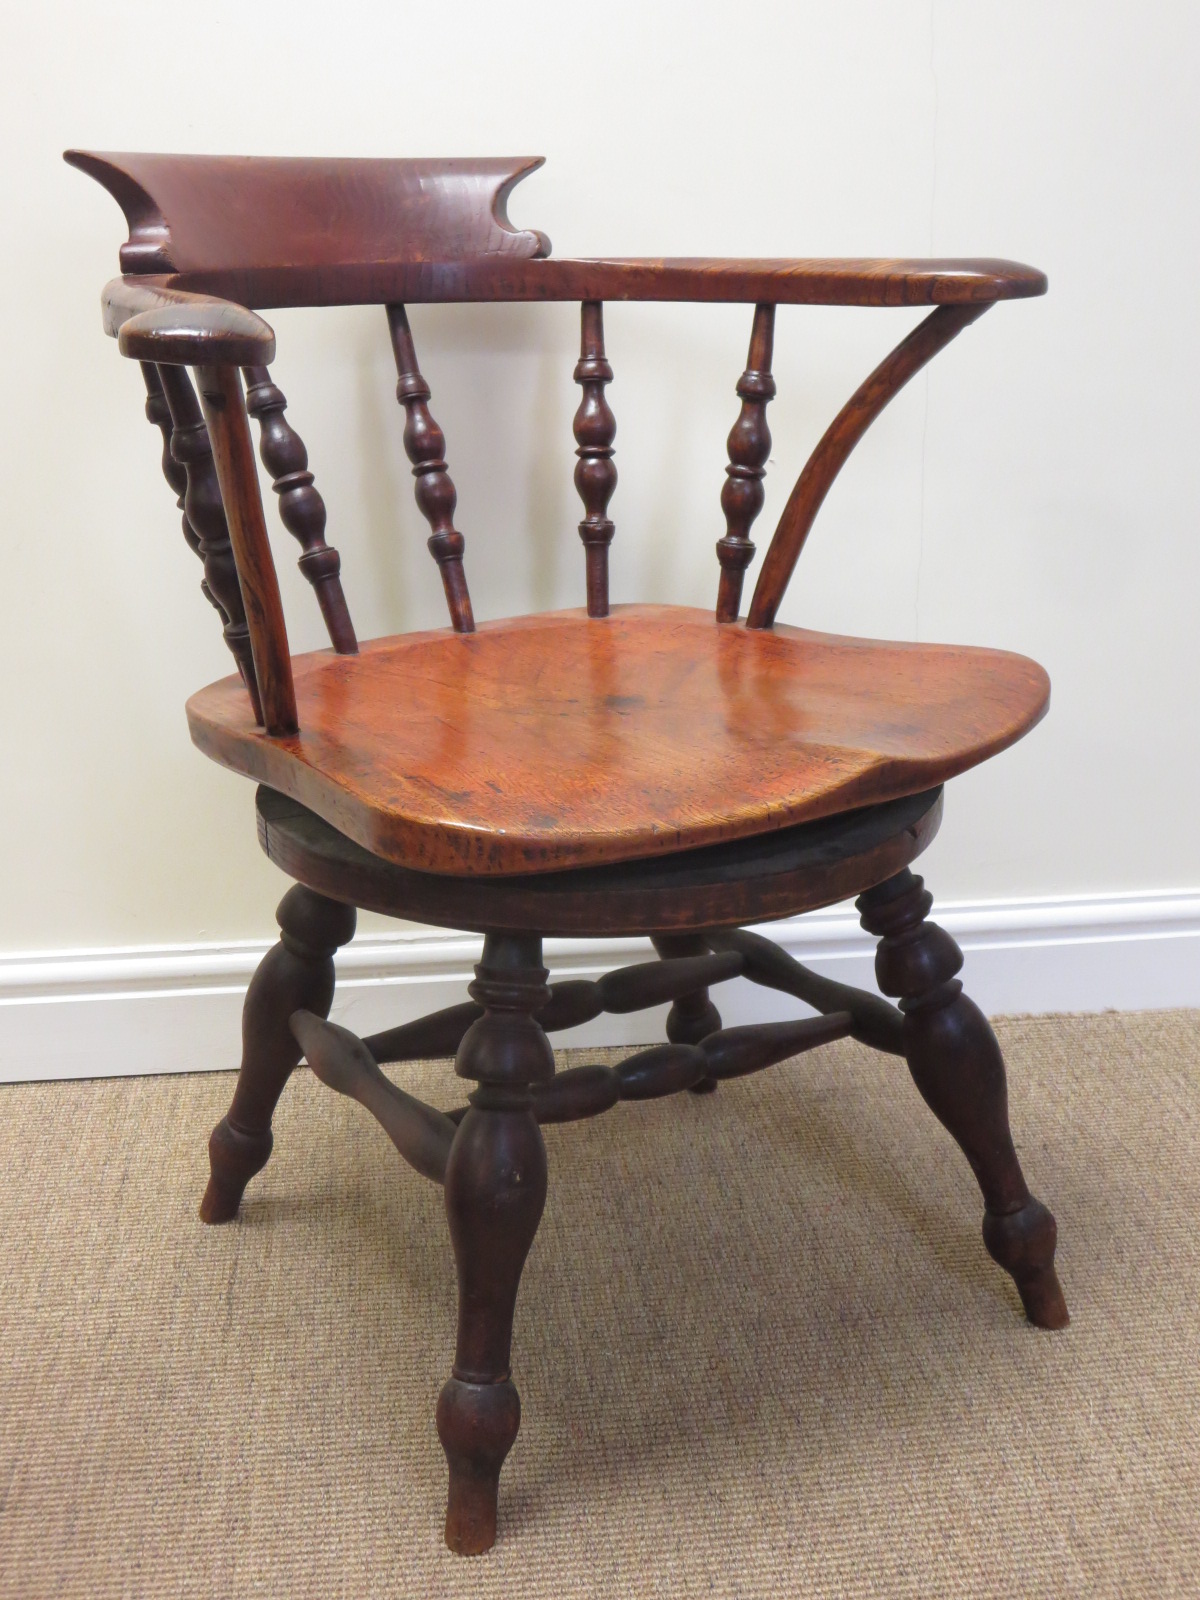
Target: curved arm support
x=175 y=328
x=840 y=438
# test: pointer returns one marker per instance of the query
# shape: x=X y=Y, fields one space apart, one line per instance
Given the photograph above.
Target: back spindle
x=205 y=513
x=425 y=446
x=749 y=446
x=301 y=508
x=595 y=471
x=159 y=413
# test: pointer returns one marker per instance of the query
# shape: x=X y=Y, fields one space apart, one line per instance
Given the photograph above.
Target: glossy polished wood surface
x=712 y=279
x=264 y=231
x=562 y=740
x=655 y=770
x=189 y=213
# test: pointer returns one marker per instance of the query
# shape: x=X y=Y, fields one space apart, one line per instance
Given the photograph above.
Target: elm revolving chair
x=630 y=770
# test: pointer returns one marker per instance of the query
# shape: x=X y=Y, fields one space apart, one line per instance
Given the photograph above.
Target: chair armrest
x=177 y=328
x=852 y=281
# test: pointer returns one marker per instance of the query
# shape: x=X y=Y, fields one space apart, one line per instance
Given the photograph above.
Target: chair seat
x=560 y=740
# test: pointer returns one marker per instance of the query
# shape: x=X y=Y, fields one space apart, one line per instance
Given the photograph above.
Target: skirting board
x=176 y=1008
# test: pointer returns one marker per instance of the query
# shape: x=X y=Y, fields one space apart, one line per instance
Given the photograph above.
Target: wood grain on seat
x=561 y=740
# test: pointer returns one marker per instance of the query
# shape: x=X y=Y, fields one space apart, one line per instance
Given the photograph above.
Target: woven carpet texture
x=760 y=1348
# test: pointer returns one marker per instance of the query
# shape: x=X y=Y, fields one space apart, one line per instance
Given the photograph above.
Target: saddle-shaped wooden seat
x=560 y=740
x=605 y=772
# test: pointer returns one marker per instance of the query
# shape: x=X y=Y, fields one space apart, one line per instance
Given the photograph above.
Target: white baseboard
x=176 y=1008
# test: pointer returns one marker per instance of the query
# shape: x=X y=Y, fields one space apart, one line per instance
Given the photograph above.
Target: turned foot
x=956 y=1064
x=297 y=974
x=1023 y=1242
x=477 y=1424
x=234 y=1156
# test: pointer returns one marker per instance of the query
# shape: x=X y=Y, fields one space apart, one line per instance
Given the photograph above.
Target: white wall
x=1038 y=491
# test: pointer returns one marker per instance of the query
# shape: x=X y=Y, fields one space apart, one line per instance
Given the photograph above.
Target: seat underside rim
x=762 y=878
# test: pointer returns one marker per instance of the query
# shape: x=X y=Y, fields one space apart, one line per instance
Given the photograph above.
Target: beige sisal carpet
x=760 y=1347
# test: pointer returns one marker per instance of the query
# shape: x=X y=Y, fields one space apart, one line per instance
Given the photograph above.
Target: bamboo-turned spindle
x=595 y=471
x=205 y=513
x=425 y=446
x=749 y=446
x=301 y=508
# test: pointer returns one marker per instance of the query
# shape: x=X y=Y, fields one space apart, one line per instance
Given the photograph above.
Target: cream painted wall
x=1039 y=490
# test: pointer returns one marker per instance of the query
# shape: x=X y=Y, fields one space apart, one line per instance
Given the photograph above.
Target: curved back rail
x=213 y=239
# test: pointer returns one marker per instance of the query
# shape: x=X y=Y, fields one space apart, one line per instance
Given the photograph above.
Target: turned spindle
x=569 y=1003
x=159 y=413
x=425 y=446
x=301 y=508
x=595 y=470
x=205 y=513
x=749 y=446
x=341 y=1060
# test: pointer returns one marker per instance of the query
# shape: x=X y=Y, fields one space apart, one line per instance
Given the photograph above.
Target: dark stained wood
x=648 y=770
x=204 y=515
x=578 y=1092
x=956 y=1064
x=439 y=1034
x=650 y=983
x=699 y=280
x=735 y=1052
x=297 y=974
x=495 y=1191
x=151 y=323
x=195 y=212
x=425 y=446
x=301 y=508
x=750 y=880
x=159 y=413
x=595 y=473
x=233 y=455
x=422 y=1135
x=873 y=1021
x=693 y=1016
x=568 y=1004
x=839 y=439
x=399 y=747
x=749 y=446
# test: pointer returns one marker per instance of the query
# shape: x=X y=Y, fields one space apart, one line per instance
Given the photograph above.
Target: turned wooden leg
x=693 y=1016
x=956 y=1064
x=297 y=974
x=495 y=1191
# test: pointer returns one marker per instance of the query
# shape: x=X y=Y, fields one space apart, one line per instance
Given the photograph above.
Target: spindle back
x=213 y=238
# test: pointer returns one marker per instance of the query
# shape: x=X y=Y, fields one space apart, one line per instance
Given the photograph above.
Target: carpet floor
x=760 y=1347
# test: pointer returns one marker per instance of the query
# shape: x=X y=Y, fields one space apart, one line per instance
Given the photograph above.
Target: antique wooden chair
x=641 y=769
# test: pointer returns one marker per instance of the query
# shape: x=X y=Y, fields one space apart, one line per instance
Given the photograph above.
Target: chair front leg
x=955 y=1062
x=295 y=975
x=495 y=1192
